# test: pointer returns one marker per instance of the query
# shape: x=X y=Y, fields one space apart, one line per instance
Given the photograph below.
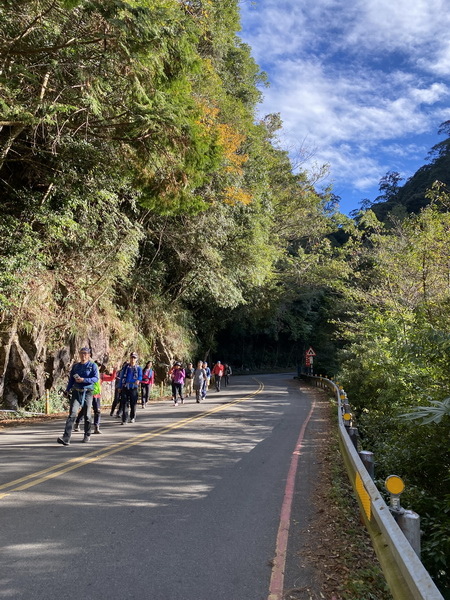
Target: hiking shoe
x=77 y=427
x=97 y=429
x=175 y=403
x=86 y=439
x=182 y=401
x=132 y=420
x=63 y=442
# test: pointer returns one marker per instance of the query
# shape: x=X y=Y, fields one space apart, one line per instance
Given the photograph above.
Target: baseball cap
x=133 y=355
x=85 y=349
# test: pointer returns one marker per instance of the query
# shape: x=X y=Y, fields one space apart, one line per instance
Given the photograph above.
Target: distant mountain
x=410 y=197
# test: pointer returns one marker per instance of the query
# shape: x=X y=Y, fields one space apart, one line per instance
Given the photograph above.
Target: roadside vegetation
x=356 y=570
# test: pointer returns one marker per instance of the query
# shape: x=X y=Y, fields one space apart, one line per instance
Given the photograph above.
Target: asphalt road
x=182 y=505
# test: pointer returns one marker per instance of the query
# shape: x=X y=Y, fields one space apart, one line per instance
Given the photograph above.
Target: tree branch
x=68 y=44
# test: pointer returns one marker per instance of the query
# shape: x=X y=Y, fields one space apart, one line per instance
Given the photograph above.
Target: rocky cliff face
x=32 y=362
x=28 y=367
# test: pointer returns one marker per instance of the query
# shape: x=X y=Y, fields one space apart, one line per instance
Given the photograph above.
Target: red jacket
x=218 y=370
x=146 y=378
x=105 y=377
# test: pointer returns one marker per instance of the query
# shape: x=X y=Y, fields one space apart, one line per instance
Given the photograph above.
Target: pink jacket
x=178 y=375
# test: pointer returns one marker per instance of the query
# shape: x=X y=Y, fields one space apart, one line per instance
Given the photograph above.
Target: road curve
x=184 y=504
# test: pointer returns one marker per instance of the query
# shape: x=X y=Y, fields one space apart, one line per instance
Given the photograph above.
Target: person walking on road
x=218 y=374
x=189 y=374
x=207 y=380
x=96 y=400
x=226 y=374
x=148 y=379
x=177 y=378
x=117 y=402
x=130 y=376
x=198 y=380
x=83 y=375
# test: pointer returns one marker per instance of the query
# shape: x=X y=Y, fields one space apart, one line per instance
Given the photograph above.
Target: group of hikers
x=197 y=379
x=84 y=389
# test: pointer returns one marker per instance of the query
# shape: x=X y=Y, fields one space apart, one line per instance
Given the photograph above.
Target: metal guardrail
x=405 y=574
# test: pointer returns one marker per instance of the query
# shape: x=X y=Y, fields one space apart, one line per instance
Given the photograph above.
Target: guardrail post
x=368 y=460
x=353 y=434
x=47 y=402
x=409 y=523
x=396 y=549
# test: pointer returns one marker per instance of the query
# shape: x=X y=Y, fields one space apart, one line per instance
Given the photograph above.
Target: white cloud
x=356 y=79
x=333 y=109
x=430 y=95
x=416 y=151
x=363 y=170
x=399 y=25
x=279 y=27
x=442 y=114
x=439 y=63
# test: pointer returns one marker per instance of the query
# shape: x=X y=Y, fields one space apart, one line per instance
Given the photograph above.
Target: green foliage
x=398 y=360
x=57 y=404
x=430 y=414
x=135 y=181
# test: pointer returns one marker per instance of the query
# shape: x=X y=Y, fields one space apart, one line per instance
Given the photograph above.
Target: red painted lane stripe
x=279 y=562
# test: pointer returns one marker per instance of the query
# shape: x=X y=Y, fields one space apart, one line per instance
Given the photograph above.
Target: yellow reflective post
x=47 y=402
x=347 y=419
x=395 y=486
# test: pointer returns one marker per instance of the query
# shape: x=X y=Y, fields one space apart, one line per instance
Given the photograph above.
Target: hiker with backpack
x=218 y=371
x=177 y=378
x=130 y=377
x=117 y=401
x=83 y=375
x=207 y=380
x=198 y=380
x=96 y=400
x=189 y=374
x=148 y=379
x=226 y=374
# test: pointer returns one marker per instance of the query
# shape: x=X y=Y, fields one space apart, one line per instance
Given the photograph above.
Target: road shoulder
x=330 y=555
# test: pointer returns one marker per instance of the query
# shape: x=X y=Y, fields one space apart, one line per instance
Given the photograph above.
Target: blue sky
x=361 y=85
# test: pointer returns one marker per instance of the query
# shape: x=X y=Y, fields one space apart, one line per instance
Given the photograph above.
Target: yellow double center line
x=80 y=461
